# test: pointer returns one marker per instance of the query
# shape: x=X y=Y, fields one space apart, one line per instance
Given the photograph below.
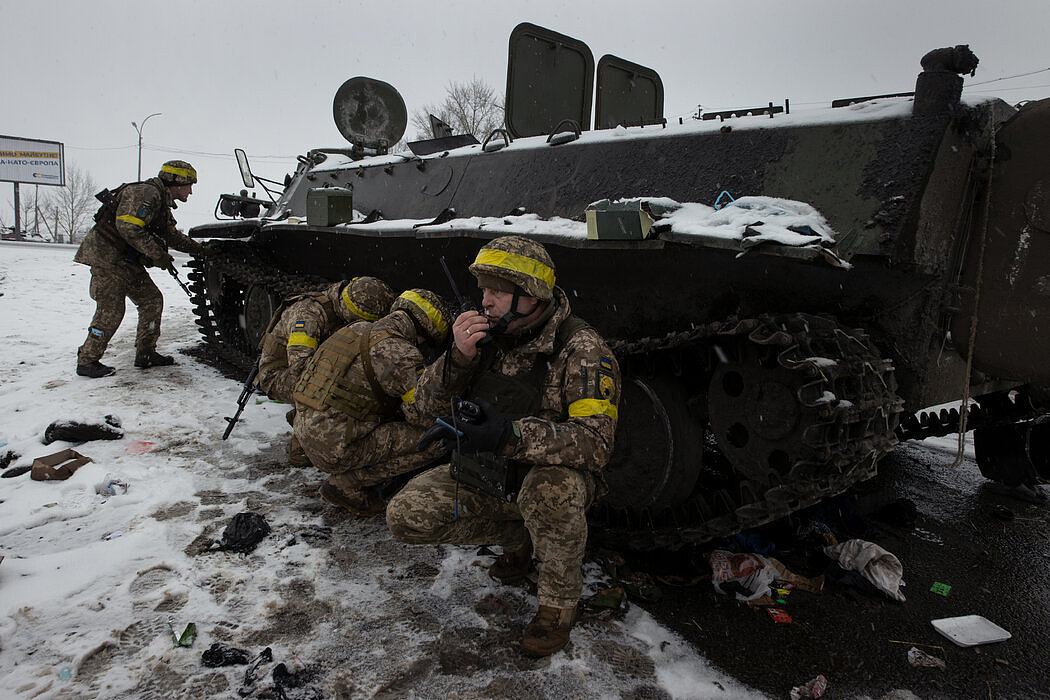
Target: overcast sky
x=261 y=75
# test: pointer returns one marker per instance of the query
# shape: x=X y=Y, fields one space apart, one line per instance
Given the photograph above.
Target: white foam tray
x=970 y=630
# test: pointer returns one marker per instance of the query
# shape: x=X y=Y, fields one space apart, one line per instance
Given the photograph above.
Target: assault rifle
x=173 y=273
x=246 y=393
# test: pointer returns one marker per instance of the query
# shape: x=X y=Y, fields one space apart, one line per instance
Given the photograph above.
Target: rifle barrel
x=246 y=391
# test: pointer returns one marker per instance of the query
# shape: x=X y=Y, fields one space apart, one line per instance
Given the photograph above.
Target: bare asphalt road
x=991 y=549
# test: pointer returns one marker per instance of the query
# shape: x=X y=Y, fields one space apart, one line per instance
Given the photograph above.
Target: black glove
x=210 y=249
x=442 y=431
x=164 y=261
x=480 y=427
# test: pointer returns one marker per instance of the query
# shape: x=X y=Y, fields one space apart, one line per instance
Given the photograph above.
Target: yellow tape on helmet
x=517 y=263
x=354 y=308
x=432 y=313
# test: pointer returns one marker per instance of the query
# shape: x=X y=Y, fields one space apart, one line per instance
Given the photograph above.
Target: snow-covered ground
x=90 y=584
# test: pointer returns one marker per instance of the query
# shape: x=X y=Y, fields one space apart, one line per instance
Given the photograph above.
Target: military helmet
x=178 y=172
x=428 y=310
x=366 y=298
x=510 y=261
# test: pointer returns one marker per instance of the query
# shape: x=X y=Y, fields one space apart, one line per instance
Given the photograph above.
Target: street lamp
x=138 y=128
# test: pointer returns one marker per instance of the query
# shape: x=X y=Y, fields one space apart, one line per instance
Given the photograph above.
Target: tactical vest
x=273 y=347
x=324 y=383
x=106 y=225
x=514 y=397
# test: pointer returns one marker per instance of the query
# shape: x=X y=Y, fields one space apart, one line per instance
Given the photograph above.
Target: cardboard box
x=57 y=466
x=328 y=206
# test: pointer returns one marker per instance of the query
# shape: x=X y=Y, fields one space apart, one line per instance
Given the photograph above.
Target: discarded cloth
x=76 y=431
x=219 y=654
x=883 y=569
x=7 y=458
x=244 y=532
x=750 y=576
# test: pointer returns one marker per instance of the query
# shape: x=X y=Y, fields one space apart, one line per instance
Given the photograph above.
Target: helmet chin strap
x=501 y=325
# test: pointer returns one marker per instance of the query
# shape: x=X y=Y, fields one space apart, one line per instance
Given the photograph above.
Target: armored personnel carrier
x=785 y=293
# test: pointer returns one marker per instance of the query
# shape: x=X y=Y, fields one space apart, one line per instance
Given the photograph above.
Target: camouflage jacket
x=576 y=423
x=142 y=232
x=292 y=340
x=397 y=363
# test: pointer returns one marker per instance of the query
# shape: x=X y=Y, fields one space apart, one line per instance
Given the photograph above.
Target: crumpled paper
x=917 y=657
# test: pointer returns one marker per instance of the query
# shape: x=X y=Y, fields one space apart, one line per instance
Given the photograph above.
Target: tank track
x=859 y=427
x=846 y=382
x=235 y=267
x=988 y=411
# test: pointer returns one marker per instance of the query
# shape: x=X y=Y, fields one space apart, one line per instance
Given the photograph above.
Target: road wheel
x=659 y=446
x=259 y=305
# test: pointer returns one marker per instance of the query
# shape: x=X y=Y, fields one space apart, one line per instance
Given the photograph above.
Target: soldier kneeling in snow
x=355 y=413
x=546 y=387
x=305 y=321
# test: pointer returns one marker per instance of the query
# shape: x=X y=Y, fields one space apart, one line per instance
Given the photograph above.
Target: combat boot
x=152 y=358
x=344 y=491
x=297 y=456
x=549 y=631
x=513 y=565
x=95 y=370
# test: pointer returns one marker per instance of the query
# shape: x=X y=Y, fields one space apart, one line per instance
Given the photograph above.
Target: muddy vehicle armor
x=786 y=294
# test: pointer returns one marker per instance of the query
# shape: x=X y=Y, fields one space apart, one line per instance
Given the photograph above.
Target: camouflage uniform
x=366 y=452
x=307 y=321
x=118 y=253
x=565 y=445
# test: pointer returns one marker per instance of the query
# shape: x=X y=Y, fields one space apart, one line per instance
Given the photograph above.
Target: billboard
x=32 y=161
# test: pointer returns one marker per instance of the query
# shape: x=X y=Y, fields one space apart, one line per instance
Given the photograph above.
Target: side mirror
x=246 y=171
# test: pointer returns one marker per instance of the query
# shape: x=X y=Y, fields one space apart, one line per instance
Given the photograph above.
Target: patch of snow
x=338 y=597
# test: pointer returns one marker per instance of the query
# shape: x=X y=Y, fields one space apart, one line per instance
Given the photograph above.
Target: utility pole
x=18 y=220
x=138 y=128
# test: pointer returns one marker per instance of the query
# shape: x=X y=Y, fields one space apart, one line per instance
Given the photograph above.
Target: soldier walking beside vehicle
x=530 y=450
x=133 y=230
x=355 y=414
x=305 y=321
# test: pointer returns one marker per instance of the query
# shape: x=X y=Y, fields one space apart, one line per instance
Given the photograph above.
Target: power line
x=1009 y=77
x=174 y=149
x=100 y=148
x=1023 y=87
x=209 y=154
x=826 y=103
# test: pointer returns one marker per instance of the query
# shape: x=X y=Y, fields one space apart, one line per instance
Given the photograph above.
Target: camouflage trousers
x=551 y=509
x=109 y=288
x=386 y=451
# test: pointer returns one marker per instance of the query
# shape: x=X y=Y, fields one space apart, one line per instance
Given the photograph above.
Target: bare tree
x=27 y=210
x=72 y=207
x=469 y=108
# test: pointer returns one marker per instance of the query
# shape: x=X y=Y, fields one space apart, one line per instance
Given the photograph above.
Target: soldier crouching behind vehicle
x=301 y=324
x=355 y=411
x=133 y=229
x=544 y=392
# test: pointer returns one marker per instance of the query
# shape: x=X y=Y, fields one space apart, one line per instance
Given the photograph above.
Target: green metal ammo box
x=328 y=206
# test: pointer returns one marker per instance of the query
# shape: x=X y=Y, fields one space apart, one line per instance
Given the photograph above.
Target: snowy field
x=91 y=585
